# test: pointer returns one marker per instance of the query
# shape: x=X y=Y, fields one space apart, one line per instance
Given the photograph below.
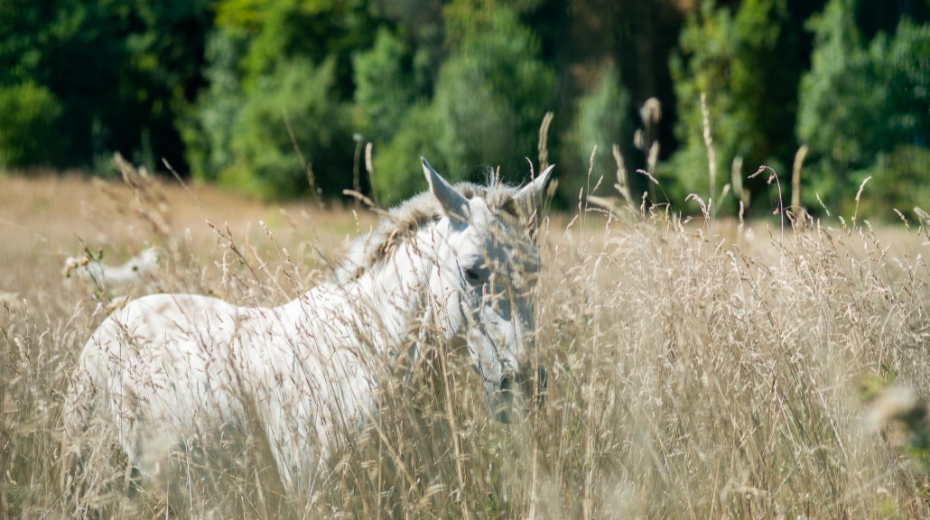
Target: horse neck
x=388 y=298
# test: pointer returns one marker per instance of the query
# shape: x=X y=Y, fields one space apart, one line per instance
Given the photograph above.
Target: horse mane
x=404 y=221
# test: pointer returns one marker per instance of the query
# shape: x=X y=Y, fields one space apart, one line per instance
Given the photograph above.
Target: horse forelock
x=406 y=220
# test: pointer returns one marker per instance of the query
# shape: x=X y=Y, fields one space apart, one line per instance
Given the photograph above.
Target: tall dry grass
x=691 y=374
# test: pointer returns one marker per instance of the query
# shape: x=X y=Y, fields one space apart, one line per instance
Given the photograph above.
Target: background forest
x=277 y=98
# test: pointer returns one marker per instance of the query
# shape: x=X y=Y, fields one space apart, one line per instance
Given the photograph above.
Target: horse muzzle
x=517 y=390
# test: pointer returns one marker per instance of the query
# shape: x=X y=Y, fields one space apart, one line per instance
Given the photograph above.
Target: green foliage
x=121 y=71
x=385 y=88
x=491 y=94
x=601 y=119
x=466 y=18
x=281 y=30
x=397 y=171
x=751 y=107
x=28 y=126
x=205 y=84
x=280 y=73
x=291 y=107
x=209 y=126
x=905 y=62
x=898 y=180
x=833 y=95
x=859 y=104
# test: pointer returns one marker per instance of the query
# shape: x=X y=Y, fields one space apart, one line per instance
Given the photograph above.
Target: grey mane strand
x=405 y=220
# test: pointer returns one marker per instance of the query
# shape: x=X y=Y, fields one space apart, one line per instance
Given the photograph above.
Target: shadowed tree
x=865 y=110
x=751 y=107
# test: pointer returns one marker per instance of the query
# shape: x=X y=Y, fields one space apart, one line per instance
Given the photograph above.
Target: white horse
x=459 y=260
x=137 y=270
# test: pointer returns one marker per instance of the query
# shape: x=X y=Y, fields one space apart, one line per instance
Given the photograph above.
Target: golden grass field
x=707 y=370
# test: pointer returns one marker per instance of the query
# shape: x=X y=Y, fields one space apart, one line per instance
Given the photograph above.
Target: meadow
x=701 y=369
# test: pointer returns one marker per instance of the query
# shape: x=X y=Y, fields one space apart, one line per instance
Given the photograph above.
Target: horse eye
x=472 y=276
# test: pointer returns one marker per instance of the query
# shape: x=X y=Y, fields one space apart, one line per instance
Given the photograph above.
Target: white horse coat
x=137 y=270
x=167 y=368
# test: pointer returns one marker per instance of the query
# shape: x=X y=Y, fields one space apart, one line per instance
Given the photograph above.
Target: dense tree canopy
x=278 y=97
x=865 y=108
x=751 y=108
x=120 y=71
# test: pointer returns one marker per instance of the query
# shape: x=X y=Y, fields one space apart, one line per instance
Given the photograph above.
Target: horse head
x=484 y=285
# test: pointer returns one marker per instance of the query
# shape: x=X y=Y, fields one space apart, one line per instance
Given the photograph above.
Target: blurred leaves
x=293 y=107
x=120 y=71
x=28 y=126
x=601 y=120
x=746 y=64
x=385 y=85
x=206 y=85
x=861 y=103
x=490 y=95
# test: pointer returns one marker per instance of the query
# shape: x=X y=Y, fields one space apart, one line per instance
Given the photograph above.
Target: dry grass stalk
x=650 y=114
x=689 y=377
x=543 y=146
x=711 y=155
x=799 y=212
x=736 y=179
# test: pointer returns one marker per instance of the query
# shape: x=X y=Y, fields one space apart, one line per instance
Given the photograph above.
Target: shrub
x=28 y=133
x=384 y=89
x=397 y=171
x=601 y=119
x=898 y=180
x=491 y=95
x=208 y=127
x=751 y=108
x=859 y=105
x=291 y=107
x=268 y=59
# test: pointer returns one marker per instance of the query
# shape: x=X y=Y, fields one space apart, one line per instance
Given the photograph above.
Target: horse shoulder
x=157 y=329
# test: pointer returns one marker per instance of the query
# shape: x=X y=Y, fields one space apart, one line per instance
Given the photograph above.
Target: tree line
x=278 y=98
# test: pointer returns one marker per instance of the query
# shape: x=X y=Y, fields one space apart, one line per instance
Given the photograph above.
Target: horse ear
x=452 y=202
x=531 y=195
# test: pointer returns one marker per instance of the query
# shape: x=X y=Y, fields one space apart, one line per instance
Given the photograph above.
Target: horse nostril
x=507 y=383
